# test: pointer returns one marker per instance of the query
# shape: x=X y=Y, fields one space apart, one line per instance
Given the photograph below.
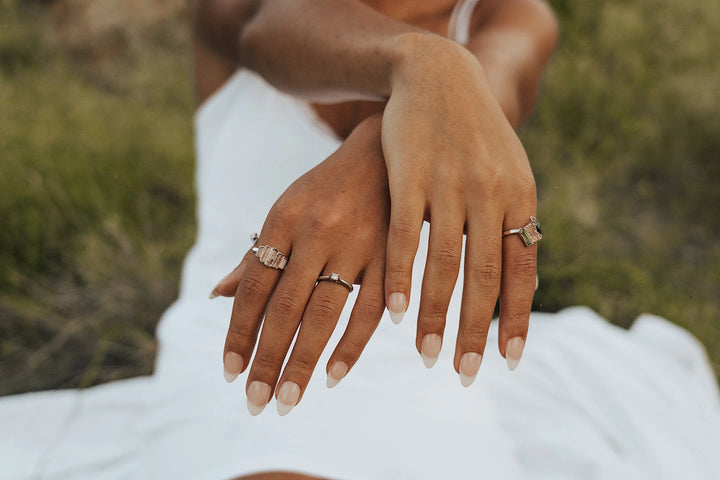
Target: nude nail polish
x=232 y=366
x=287 y=398
x=513 y=352
x=469 y=366
x=258 y=395
x=397 y=305
x=336 y=372
x=215 y=291
x=430 y=349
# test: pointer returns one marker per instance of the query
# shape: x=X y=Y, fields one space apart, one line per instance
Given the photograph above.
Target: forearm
x=321 y=50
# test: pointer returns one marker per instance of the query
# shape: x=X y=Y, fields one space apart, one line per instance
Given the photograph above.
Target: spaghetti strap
x=459 y=26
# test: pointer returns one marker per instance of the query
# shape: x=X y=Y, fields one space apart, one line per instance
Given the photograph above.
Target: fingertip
x=397 y=305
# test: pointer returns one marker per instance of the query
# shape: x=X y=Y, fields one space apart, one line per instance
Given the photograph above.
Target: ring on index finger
x=530 y=233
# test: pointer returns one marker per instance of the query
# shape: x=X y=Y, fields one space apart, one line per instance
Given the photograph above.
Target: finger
x=318 y=323
x=252 y=294
x=480 y=293
x=516 y=293
x=406 y=218
x=441 y=271
x=364 y=319
x=282 y=318
x=228 y=285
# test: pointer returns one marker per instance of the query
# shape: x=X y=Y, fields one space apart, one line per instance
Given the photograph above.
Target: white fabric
x=589 y=400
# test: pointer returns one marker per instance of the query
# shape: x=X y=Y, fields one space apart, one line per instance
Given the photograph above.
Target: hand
x=333 y=219
x=453 y=159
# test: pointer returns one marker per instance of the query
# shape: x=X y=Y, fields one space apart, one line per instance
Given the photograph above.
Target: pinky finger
x=364 y=319
x=229 y=284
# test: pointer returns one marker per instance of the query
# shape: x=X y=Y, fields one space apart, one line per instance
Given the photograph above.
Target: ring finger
x=282 y=318
x=318 y=323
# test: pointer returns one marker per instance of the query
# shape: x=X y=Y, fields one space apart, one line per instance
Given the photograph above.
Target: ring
x=270 y=257
x=335 y=277
x=530 y=233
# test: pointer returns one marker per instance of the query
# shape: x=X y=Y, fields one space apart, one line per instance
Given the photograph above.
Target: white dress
x=589 y=400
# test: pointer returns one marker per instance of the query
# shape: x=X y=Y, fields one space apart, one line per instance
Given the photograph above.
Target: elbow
x=220 y=24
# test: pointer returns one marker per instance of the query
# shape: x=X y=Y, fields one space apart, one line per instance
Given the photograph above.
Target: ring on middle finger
x=335 y=277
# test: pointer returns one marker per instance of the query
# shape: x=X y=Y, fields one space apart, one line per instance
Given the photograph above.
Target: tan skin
x=428 y=125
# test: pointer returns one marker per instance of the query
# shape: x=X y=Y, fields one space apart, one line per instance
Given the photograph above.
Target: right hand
x=333 y=219
x=453 y=158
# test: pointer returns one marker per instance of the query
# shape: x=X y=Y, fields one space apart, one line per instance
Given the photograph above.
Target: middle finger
x=282 y=318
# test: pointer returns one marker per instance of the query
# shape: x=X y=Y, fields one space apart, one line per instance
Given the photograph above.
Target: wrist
x=420 y=57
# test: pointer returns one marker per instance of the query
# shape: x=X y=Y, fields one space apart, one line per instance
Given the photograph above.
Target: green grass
x=97 y=207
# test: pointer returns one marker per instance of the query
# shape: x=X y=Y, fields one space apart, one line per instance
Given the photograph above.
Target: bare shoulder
x=534 y=18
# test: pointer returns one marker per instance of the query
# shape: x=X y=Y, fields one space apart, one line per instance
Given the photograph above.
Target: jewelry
x=270 y=257
x=335 y=277
x=530 y=233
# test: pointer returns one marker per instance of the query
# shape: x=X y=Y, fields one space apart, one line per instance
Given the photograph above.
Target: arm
x=451 y=157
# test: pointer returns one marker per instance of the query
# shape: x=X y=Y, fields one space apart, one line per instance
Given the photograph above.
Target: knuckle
x=239 y=335
x=434 y=311
x=517 y=323
x=446 y=257
x=403 y=229
x=486 y=274
x=302 y=363
x=266 y=367
x=370 y=308
x=253 y=287
x=525 y=264
x=352 y=347
x=322 y=309
x=475 y=332
x=284 y=302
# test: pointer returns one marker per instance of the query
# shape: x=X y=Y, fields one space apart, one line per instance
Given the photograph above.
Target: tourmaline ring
x=335 y=277
x=270 y=257
x=530 y=233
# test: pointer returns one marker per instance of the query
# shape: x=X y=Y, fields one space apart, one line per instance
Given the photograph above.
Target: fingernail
x=397 y=304
x=258 y=395
x=537 y=282
x=287 y=398
x=216 y=290
x=232 y=366
x=430 y=349
x=469 y=366
x=336 y=373
x=513 y=352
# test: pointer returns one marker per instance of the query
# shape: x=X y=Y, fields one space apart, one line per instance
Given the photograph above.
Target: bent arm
x=337 y=50
x=321 y=50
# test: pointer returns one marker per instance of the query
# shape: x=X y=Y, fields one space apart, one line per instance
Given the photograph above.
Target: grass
x=97 y=207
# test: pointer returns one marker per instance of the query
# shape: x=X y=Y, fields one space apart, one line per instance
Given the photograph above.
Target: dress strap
x=459 y=27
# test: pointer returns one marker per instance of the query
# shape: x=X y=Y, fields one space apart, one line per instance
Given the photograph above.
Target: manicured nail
x=397 y=304
x=336 y=373
x=232 y=366
x=469 y=366
x=258 y=395
x=513 y=352
x=287 y=398
x=216 y=290
x=430 y=349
